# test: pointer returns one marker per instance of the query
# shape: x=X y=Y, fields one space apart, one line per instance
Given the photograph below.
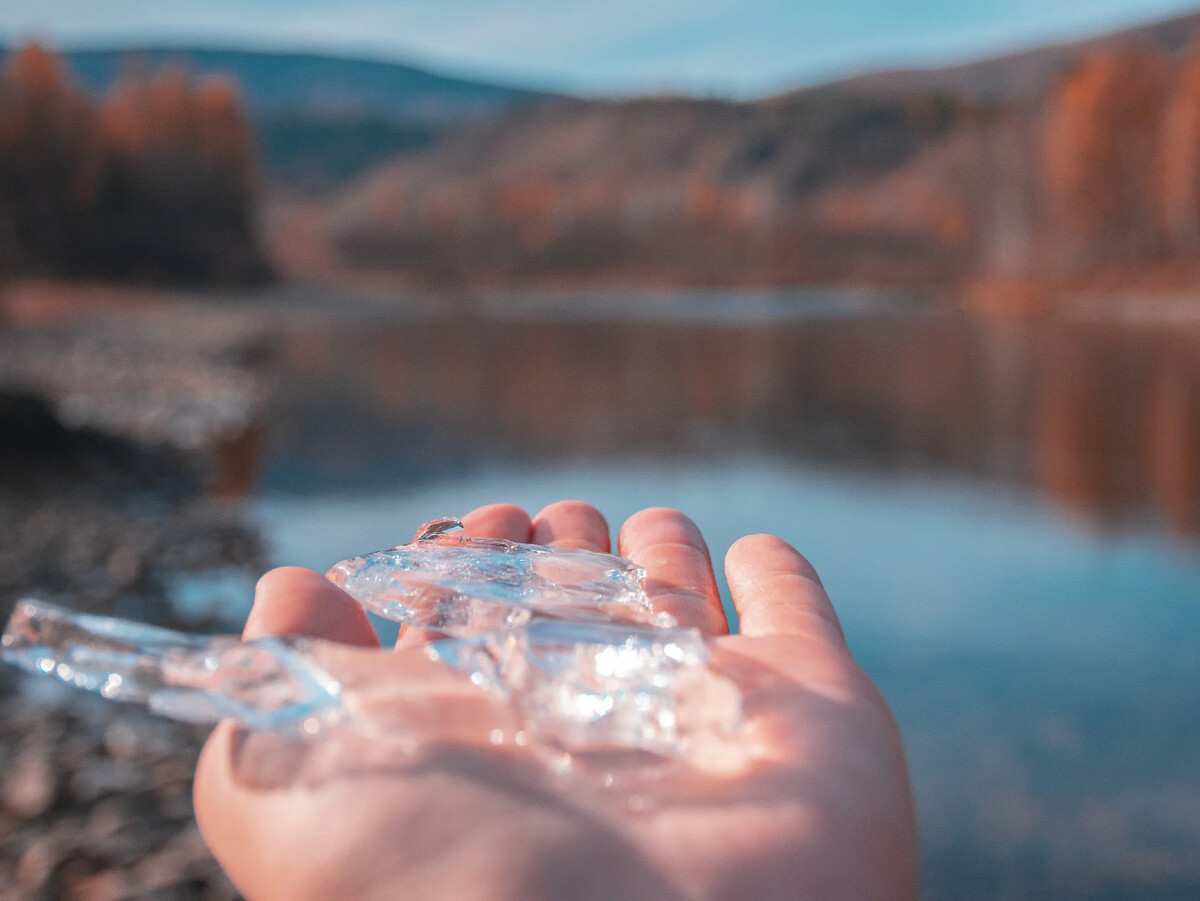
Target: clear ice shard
x=462 y=586
x=270 y=683
x=601 y=687
x=566 y=642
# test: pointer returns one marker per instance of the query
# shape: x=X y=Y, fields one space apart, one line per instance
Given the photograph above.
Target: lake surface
x=1005 y=514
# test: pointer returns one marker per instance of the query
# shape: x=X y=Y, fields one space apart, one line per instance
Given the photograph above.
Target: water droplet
x=436 y=527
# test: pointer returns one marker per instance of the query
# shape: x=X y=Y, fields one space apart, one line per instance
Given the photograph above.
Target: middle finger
x=679 y=573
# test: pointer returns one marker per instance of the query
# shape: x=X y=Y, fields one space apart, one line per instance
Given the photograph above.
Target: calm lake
x=1005 y=514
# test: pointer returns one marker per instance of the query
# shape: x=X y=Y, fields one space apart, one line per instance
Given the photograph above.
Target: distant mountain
x=320 y=119
x=292 y=84
x=1026 y=75
x=1057 y=164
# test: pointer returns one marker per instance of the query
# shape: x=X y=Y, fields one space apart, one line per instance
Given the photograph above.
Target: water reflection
x=1042 y=669
x=1103 y=419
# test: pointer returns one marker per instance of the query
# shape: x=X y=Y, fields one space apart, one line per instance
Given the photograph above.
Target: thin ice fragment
x=268 y=683
x=463 y=586
x=574 y=687
x=566 y=640
x=596 y=686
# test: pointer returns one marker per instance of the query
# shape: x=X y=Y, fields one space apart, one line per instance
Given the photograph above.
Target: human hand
x=824 y=811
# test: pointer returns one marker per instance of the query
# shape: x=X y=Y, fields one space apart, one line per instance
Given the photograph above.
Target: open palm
x=825 y=810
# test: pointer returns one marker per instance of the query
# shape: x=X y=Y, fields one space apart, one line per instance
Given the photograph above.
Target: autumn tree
x=50 y=163
x=1102 y=157
x=180 y=196
x=1180 y=184
x=158 y=183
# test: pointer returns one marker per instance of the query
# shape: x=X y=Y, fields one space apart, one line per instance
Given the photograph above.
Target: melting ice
x=269 y=683
x=567 y=637
x=462 y=586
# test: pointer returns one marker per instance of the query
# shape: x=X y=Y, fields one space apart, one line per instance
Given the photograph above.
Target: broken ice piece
x=269 y=683
x=602 y=687
x=578 y=687
x=452 y=583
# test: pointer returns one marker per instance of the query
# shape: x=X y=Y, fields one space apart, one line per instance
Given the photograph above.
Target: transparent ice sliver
x=597 y=687
x=270 y=683
x=448 y=582
x=567 y=637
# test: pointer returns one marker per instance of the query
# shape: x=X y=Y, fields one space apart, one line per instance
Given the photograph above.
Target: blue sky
x=735 y=47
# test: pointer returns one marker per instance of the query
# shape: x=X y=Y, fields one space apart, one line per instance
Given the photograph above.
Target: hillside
x=319 y=119
x=320 y=86
x=1064 y=163
x=1026 y=75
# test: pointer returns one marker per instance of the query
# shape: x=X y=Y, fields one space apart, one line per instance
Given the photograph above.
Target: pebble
x=95 y=798
x=30 y=785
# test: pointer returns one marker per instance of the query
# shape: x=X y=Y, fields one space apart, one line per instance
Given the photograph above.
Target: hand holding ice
x=566 y=640
x=452 y=583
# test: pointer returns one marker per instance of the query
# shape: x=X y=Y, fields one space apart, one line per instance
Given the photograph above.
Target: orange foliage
x=49 y=169
x=1102 y=154
x=1180 y=186
x=157 y=183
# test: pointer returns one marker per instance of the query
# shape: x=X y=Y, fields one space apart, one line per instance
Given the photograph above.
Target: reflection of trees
x=1103 y=420
x=1118 y=424
x=1173 y=439
x=1079 y=428
x=157 y=182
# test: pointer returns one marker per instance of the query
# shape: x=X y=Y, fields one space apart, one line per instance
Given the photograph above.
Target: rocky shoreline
x=114 y=435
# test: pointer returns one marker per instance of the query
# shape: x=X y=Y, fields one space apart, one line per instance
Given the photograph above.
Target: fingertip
x=506 y=521
x=571 y=523
x=679 y=573
x=292 y=600
x=284 y=578
x=660 y=521
x=776 y=591
x=753 y=552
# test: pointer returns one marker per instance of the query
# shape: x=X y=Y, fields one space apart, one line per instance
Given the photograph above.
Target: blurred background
x=915 y=286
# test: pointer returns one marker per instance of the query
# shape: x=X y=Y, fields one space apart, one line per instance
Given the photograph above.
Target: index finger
x=679 y=573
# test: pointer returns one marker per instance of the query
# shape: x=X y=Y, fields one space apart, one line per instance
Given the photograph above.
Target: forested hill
x=319 y=120
x=1025 y=76
x=156 y=181
x=1068 y=163
x=275 y=84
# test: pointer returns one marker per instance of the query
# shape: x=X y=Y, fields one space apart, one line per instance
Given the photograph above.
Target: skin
x=818 y=805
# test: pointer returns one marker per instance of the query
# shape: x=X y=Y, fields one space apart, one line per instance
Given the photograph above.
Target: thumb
x=295 y=601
